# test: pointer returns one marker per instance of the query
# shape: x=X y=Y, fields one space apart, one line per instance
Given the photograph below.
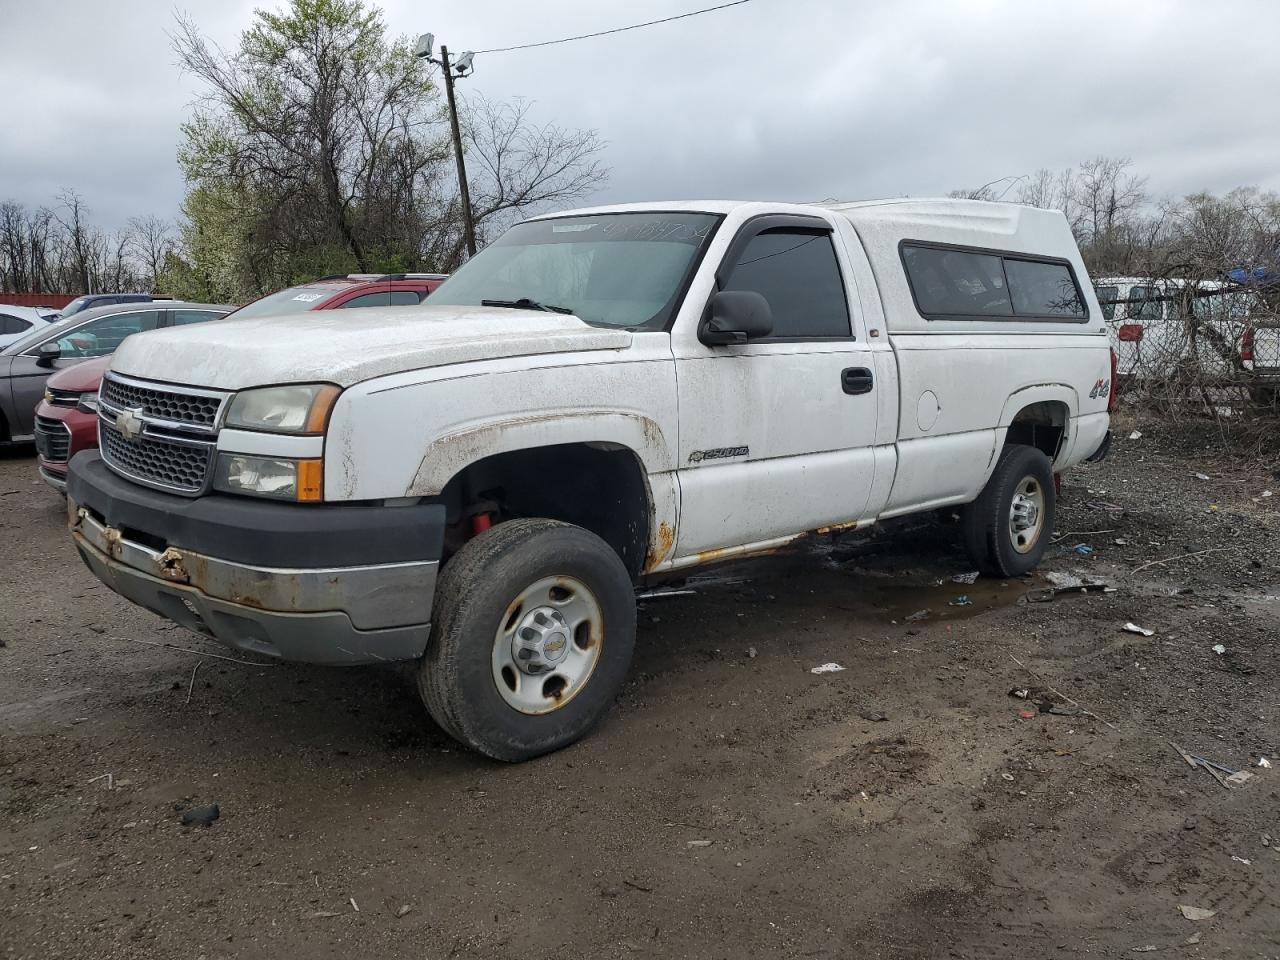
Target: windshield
x=615 y=269
x=75 y=306
x=292 y=300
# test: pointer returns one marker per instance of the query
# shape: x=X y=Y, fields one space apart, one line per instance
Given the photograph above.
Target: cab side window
x=406 y=298
x=797 y=272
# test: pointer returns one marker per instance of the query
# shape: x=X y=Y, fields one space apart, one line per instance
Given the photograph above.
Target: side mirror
x=48 y=353
x=736 y=316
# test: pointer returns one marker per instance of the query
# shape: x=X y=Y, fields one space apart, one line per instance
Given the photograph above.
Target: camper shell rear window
x=950 y=282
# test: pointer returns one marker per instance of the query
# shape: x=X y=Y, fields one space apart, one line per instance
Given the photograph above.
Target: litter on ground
x=827 y=668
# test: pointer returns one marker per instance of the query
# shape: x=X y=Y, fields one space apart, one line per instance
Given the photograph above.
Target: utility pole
x=463 y=66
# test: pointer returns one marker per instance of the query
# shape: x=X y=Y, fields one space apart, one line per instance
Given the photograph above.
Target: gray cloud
x=788 y=99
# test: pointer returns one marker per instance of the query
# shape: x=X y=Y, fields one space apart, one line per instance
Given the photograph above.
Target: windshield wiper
x=524 y=303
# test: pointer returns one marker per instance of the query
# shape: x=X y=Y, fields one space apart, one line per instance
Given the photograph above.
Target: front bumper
x=335 y=584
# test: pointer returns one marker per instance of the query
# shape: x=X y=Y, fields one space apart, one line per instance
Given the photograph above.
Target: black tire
x=474 y=594
x=986 y=522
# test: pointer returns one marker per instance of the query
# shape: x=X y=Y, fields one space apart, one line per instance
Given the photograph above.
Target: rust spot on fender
x=658 y=550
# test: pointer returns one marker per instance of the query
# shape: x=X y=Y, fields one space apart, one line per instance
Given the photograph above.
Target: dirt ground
x=734 y=804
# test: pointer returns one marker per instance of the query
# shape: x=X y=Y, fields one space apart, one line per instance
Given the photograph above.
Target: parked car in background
x=91 y=301
x=27 y=363
x=67 y=418
x=345 y=291
x=1157 y=326
x=16 y=322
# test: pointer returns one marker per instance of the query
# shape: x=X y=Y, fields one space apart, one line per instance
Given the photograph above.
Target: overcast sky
x=778 y=99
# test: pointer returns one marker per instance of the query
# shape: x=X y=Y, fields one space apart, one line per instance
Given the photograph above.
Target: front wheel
x=1007 y=529
x=534 y=627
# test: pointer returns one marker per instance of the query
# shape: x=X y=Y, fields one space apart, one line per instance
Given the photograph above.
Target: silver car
x=28 y=362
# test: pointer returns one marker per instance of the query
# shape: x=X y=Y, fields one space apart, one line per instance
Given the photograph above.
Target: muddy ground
x=734 y=804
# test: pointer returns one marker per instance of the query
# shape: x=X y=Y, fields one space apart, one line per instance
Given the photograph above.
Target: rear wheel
x=533 y=631
x=1007 y=529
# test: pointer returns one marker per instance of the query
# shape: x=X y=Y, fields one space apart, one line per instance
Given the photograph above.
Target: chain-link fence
x=1193 y=348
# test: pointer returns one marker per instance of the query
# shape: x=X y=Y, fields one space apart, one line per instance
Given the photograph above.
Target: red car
x=67 y=418
x=350 y=290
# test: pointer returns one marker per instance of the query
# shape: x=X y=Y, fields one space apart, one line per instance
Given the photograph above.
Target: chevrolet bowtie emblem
x=130 y=425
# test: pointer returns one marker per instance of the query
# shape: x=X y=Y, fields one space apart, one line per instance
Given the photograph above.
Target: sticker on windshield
x=308 y=297
x=572 y=227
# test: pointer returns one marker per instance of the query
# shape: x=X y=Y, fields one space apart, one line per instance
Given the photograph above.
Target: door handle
x=856 y=380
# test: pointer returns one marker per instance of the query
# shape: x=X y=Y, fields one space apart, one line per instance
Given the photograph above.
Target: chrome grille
x=171 y=464
x=53 y=439
x=196 y=409
x=63 y=398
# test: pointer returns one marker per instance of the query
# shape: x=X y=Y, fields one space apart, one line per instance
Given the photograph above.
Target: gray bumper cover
x=345 y=615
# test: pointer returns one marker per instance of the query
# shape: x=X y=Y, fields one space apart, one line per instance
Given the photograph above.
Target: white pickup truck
x=598 y=398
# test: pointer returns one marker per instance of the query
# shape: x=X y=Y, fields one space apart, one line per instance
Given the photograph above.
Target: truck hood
x=349 y=346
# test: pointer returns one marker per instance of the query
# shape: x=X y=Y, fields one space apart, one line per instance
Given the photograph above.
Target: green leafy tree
x=320 y=146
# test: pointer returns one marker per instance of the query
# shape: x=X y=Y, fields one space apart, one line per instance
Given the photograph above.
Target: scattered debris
x=751 y=653
x=968 y=579
x=659 y=592
x=827 y=668
x=1219 y=649
x=1263 y=762
x=1192 y=940
x=354 y=906
x=403 y=910
x=875 y=716
x=1239 y=778
x=1201 y=476
x=1007 y=776
x=1149 y=948
x=1136 y=435
x=1083 y=549
x=699 y=843
x=1141 y=631
x=1225 y=776
x=107 y=777
x=918 y=615
x=321 y=914
x=192 y=684
x=1049 y=594
x=1196 y=913
x=201 y=816
x=1043 y=698
x=1235 y=859
x=1185 y=556
x=961 y=601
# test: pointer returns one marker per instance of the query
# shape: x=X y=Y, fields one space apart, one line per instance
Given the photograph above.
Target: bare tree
x=151 y=240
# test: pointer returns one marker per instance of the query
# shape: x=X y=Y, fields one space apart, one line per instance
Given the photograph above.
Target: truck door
x=777 y=434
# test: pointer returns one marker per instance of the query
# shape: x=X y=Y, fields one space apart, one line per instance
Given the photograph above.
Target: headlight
x=270 y=477
x=299 y=408
x=88 y=402
x=48 y=396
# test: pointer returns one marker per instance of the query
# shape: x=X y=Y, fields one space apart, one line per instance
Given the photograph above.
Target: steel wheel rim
x=547 y=645
x=1026 y=515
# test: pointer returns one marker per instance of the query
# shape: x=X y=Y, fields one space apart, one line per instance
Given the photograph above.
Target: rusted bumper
x=335 y=615
x=335 y=585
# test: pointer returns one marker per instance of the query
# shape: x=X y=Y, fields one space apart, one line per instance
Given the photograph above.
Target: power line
x=605 y=33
